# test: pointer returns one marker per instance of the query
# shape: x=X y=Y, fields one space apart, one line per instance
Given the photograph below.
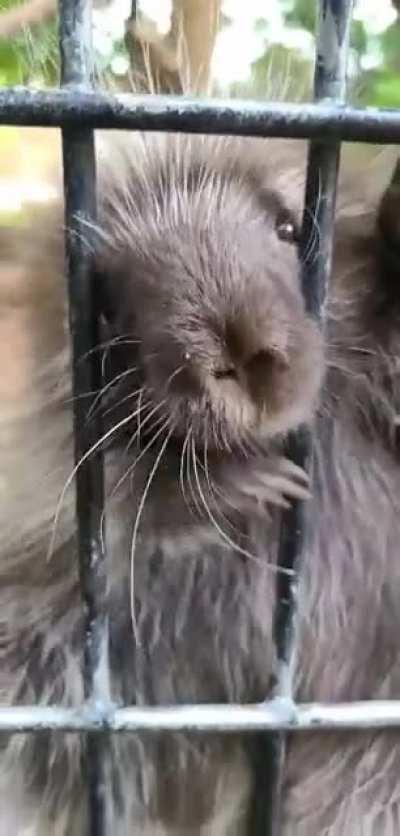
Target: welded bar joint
x=94 y=109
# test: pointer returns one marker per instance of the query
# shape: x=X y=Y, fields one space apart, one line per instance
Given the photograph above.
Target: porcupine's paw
x=253 y=485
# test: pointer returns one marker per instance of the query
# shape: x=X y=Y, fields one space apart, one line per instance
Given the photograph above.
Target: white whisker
x=136 y=528
x=139 y=427
x=141 y=407
x=115 y=341
x=73 y=473
x=108 y=386
x=129 y=472
x=213 y=490
x=143 y=423
x=189 y=477
x=223 y=533
x=172 y=376
x=181 y=472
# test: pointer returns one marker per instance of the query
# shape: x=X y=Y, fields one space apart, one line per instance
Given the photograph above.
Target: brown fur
x=187 y=246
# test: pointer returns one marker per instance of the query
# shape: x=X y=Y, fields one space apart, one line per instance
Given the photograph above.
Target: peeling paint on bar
x=278 y=714
x=328 y=121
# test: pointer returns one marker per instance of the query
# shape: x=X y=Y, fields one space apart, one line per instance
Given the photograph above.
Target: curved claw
x=279 y=482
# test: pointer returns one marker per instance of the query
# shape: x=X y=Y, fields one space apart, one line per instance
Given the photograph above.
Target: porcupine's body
x=188 y=227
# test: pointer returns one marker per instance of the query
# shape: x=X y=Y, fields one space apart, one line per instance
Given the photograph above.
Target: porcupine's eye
x=286 y=228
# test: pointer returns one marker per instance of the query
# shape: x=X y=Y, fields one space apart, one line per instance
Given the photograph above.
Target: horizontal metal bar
x=52 y=108
x=280 y=714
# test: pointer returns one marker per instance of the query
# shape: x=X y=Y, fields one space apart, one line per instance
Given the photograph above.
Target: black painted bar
x=93 y=109
x=80 y=208
x=320 y=196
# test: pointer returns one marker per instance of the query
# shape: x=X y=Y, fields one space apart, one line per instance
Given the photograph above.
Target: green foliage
x=30 y=57
x=381 y=88
x=9 y=63
x=280 y=72
x=358 y=38
x=390 y=45
x=378 y=87
x=302 y=15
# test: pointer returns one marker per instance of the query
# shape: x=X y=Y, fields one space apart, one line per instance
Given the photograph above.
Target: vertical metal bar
x=333 y=33
x=80 y=212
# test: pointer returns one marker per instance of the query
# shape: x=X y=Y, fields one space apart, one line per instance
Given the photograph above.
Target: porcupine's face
x=207 y=273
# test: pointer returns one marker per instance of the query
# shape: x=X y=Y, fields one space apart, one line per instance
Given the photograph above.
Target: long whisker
x=73 y=473
x=314 y=239
x=222 y=533
x=181 y=472
x=143 y=423
x=314 y=242
x=138 y=392
x=129 y=471
x=82 y=395
x=136 y=528
x=139 y=426
x=189 y=477
x=172 y=376
x=131 y=468
x=120 y=340
x=206 y=468
x=108 y=386
x=213 y=490
x=105 y=356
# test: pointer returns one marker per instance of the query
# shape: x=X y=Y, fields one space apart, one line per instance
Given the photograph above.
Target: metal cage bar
x=52 y=108
x=80 y=213
x=333 y=36
x=78 y=110
x=276 y=715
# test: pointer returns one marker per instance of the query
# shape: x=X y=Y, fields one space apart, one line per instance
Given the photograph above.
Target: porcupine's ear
x=179 y=62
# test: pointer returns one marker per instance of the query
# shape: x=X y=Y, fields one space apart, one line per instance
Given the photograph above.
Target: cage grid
x=78 y=109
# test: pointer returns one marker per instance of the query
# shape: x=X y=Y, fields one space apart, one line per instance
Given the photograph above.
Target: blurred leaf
x=9 y=4
x=260 y=25
x=281 y=73
x=303 y=15
x=385 y=91
x=390 y=44
x=9 y=63
x=358 y=37
x=32 y=55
